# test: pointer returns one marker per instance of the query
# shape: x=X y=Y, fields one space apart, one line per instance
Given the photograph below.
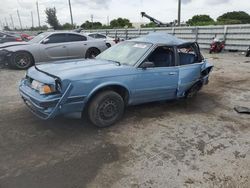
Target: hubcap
x=22 y=60
x=108 y=109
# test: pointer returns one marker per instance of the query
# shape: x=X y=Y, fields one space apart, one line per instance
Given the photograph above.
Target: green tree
x=150 y=24
x=235 y=17
x=199 y=20
x=52 y=18
x=90 y=25
x=67 y=26
x=120 y=23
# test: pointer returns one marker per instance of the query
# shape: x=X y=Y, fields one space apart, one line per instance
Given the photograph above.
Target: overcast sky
x=164 y=10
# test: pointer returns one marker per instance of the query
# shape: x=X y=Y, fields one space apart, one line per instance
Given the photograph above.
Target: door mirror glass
x=147 y=64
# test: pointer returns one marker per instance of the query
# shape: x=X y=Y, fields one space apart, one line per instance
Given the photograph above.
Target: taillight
x=19 y=39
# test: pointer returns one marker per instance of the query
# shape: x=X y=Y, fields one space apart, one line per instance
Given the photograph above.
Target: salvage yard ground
x=201 y=142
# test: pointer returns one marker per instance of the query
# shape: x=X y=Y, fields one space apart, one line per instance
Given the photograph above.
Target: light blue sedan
x=154 y=67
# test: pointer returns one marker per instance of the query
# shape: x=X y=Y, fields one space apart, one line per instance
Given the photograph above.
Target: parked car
x=109 y=40
x=6 y=37
x=155 y=67
x=50 y=46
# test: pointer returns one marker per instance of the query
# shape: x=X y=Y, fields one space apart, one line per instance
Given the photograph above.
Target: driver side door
x=54 y=47
x=159 y=82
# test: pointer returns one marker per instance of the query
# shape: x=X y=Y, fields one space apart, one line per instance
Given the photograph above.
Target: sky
x=163 y=10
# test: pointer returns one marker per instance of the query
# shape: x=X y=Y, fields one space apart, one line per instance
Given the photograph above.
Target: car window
x=57 y=38
x=187 y=54
x=74 y=38
x=92 y=35
x=98 y=36
x=162 y=56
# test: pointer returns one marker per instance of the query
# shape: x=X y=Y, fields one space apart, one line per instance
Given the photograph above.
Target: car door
x=54 y=47
x=190 y=63
x=77 y=45
x=159 y=82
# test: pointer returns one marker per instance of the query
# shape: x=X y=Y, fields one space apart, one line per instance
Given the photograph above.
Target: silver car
x=50 y=46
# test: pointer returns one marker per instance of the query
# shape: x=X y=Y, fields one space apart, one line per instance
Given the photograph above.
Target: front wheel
x=248 y=53
x=92 y=53
x=106 y=108
x=21 y=60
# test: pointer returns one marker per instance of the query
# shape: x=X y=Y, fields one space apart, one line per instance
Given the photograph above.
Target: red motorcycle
x=216 y=46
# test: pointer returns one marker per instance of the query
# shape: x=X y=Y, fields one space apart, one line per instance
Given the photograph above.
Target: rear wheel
x=92 y=53
x=21 y=60
x=106 y=108
x=248 y=54
x=193 y=90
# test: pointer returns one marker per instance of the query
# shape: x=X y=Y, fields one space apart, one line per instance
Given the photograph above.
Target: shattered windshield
x=128 y=52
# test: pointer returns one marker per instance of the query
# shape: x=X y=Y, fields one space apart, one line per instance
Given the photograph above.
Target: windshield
x=39 y=37
x=128 y=52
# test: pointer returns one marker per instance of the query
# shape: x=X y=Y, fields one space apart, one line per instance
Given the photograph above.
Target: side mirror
x=45 y=41
x=147 y=64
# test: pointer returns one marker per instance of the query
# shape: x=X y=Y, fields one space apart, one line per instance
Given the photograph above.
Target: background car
x=109 y=40
x=155 y=67
x=50 y=46
x=6 y=37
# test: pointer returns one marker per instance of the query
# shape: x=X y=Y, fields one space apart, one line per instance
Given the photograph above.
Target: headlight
x=42 y=88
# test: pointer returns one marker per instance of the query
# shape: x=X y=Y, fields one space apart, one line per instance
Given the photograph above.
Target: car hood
x=83 y=69
x=10 y=44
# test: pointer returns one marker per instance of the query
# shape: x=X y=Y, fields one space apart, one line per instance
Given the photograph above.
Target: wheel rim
x=22 y=60
x=108 y=110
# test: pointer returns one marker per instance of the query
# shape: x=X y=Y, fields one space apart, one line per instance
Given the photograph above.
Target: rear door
x=190 y=62
x=54 y=47
x=77 y=45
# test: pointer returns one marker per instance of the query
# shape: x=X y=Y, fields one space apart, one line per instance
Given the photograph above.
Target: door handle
x=172 y=73
x=64 y=46
x=85 y=44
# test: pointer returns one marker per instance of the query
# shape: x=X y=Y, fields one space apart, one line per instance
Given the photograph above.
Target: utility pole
x=92 y=17
x=179 y=12
x=19 y=19
x=71 y=16
x=6 y=22
x=32 y=21
x=12 y=22
x=39 y=24
x=107 y=20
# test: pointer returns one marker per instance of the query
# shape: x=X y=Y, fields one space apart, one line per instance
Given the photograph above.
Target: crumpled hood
x=10 y=44
x=82 y=69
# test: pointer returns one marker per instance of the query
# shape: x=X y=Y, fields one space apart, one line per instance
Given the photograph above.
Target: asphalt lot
x=201 y=142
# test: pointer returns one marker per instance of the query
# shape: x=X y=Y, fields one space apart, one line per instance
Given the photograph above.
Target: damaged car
x=50 y=46
x=155 y=67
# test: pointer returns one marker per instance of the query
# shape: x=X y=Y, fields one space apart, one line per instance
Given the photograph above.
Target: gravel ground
x=201 y=142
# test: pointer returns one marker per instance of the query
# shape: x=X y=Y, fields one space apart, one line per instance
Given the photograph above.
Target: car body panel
x=81 y=79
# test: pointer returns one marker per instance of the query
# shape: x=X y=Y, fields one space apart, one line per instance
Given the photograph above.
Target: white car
x=109 y=40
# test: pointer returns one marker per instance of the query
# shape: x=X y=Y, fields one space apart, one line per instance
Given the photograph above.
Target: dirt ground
x=201 y=142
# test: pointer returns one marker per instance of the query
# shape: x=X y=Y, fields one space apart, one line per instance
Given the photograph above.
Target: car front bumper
x=3 y=57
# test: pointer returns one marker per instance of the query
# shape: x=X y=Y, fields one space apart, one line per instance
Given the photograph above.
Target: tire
x=92 y=53
x=21 y=60
x=105 y=109
x=248 y=54
x=192 y=92
x=210 y=51
x=108 y=45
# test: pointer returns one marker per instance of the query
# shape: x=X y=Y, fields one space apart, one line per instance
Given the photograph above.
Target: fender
x=106 y=84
